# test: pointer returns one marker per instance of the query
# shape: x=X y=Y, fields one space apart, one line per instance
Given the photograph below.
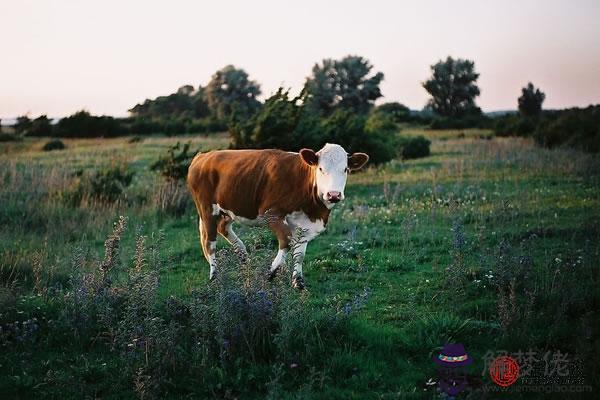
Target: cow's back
x=247 y=182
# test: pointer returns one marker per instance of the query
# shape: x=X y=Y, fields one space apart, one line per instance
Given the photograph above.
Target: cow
x=293 y=193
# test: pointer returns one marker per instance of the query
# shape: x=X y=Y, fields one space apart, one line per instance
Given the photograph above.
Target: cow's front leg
x=298 y=252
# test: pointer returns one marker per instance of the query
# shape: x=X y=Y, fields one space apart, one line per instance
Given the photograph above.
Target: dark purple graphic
x=450 y=365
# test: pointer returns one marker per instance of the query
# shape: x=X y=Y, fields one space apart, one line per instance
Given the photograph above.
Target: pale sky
x=60 y=56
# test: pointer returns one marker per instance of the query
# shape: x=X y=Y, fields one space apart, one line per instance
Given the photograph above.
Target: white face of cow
x=331 y=165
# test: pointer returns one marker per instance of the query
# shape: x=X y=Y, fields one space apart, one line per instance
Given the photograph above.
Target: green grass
x=420 y=237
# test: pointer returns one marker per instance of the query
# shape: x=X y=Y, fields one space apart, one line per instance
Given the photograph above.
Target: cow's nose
x=334 y=197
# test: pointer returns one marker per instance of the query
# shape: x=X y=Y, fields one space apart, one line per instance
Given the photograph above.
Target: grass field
x=490 y=242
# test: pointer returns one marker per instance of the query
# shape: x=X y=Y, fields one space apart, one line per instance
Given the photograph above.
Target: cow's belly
x=258 y=221
x=298 y=220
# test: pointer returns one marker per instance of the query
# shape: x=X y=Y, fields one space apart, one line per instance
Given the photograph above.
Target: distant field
x=490 y=242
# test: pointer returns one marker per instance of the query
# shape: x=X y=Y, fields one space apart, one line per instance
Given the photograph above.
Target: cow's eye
x=320 y=169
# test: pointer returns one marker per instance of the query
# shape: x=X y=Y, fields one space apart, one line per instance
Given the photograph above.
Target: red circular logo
x=504 y=371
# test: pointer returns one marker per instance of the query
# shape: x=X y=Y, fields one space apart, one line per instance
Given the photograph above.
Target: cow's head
x=331 y=165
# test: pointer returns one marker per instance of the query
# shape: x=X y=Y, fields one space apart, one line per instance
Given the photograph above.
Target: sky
x=61 y=56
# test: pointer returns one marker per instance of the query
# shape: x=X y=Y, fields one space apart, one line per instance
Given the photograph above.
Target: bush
x=105 y=185
x=474 y=120
x=9 y=137
x=83 y=124
x=415 y=147
x=218 y=338
x=40 y=126
x=175 y=166
x=135 y=139
x=353 y=133
x=172 y=198
x=274 y=126
x=143 y=126
x=54 y=144
x=575 y=127
x=514 y=125
x=398 y=112
x=174 y=127
x=206 y=125
x=288 y=124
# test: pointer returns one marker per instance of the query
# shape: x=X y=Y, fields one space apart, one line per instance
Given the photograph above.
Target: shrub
x=288 y=124
x=415 y=147
x=473 y=120
x=398 y=112
x=575 y=127
x=514 y=125
x=218 y=338
x=143 y=126
x=9 y=137
x=54 y=144
x=105 y=185
x=41 y=126
x=206 y=125
x=272 y=127
x=83 y=124
x=350 y=131
x=175 y=166
x=135 y=139
x=172 y=198
x=174 y=127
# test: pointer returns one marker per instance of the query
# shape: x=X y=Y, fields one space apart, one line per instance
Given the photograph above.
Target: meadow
x=490 y=242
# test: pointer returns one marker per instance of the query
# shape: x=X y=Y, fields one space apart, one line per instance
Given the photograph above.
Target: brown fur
x=251 y=183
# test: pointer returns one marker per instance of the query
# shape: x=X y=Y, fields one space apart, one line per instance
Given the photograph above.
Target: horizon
x=66 y=56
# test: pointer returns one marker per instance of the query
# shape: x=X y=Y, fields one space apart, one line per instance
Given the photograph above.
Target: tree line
x=337 y=103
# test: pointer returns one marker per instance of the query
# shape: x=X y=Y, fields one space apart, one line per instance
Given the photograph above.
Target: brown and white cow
x=296 y=192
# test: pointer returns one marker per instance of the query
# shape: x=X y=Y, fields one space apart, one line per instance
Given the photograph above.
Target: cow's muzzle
x=333 y=197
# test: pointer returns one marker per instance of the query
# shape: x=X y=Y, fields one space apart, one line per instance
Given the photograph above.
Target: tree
x=530 y=102
x=83 y=124
x=398 y=112
x=230 y=90
x=453 y=88
x=344 y=84
x=40 y=127
x=185 y=103
x=22 y=125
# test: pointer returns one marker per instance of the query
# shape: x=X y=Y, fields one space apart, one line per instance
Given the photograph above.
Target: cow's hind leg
x=225 y=228
x=207 y=226
x=283 y=233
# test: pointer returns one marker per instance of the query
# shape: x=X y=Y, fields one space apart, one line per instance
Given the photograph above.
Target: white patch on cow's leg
x=212 y=259
x=235 y=241
x=298 y=252
x=278 y=261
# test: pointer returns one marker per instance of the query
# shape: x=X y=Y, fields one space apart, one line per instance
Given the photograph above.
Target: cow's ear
x=357 y=160
x=309 y=156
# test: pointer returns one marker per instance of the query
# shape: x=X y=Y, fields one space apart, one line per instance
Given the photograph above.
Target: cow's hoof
x=298 y=282
x=272 y=273
x=243 y=256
